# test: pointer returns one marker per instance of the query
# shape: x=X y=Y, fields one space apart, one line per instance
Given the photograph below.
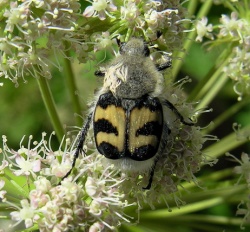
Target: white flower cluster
x=92 y=200
x=244 y=171
x=35 y=31
x=238 y=30
x=234 y=33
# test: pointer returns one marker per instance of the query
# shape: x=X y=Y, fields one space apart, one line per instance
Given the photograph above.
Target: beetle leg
x=80 y=143
x=166 y=131
x=178 y=114
x=151 y=176
x=100 y=73
x=161 y=67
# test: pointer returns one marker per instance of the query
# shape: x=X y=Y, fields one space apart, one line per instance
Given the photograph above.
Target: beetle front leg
x=177 y=113
x=80 y=143
x=163 y=66
x=99 y=73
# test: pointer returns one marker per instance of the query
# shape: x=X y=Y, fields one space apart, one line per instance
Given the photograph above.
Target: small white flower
x=203 y=29
x=96 y=208
x=42 y=184
x=230 y=26
x=97 y=226
x=27 y=167
x=25 y=214
x=17 y=16
x=57 y=168
x=103 y=42
x=2 y=192
x=99 y=8
x=244 y=168
x=3 y=165
x=91 y=187
x=245 y=211
x=38 y=199
x=130 y=12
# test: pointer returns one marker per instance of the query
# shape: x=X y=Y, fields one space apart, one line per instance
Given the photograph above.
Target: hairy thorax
x=133 y=77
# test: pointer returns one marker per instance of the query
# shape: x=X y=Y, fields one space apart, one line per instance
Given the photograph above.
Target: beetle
x=127 y=114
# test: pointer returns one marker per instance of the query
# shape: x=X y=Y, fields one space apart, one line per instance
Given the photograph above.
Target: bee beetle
x=127 y=116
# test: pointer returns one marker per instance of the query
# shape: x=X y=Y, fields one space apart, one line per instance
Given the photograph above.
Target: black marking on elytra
x=108 y=99
x=109 y=151
x=105 y=126
x=143 y=152
x=153 y=104
x=150 y=128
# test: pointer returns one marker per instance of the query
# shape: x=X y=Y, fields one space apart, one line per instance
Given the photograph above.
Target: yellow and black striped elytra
x=127 y=112
x=130 y=128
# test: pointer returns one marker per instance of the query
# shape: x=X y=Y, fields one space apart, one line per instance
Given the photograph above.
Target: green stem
x=226 y=144
x=50 y=107
x=130 y=228
x=201 y=201
x=164 y=213
x=192 y=5
x=212 y=83
x=212 y=177
x=232 y=7
x=211 y=94
x=227 y=114
x=210 y=219
x=190 y=38
x=207 y=83
x=71 y=85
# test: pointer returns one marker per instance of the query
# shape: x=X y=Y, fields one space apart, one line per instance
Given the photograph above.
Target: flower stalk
x=72 y=88
x=191 y=35
x=50 y=107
